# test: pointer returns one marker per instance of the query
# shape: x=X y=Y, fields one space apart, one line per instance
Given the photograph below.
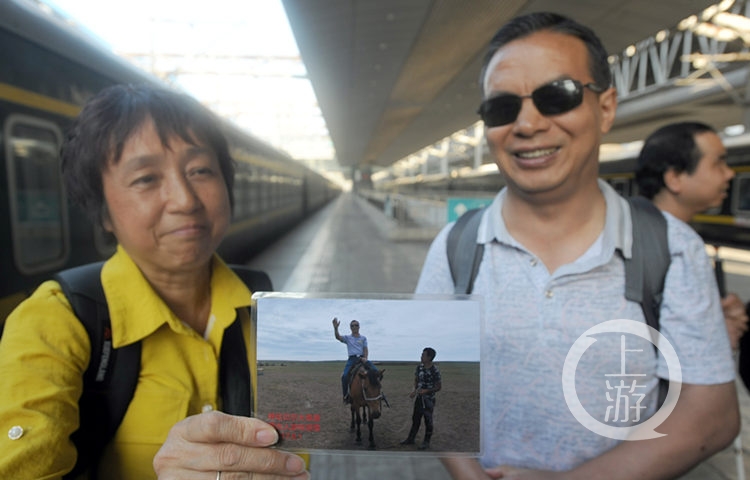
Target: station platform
x=351 y=246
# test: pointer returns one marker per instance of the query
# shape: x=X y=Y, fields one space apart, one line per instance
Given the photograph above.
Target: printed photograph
x=387 y=374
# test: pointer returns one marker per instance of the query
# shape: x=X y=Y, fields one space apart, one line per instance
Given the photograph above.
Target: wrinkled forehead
x=533 y=60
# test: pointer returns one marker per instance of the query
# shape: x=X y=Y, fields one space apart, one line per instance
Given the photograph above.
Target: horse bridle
x=379 y=397
x=368 y=399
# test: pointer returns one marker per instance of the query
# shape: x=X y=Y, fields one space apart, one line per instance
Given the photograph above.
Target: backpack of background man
x=110 y=379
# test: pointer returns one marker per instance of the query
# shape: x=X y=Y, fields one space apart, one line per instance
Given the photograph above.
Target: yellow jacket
x=44 y=351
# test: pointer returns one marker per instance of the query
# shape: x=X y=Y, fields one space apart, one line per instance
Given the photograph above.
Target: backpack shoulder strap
x=104 y=401
x=235 y=380
x=646 y=270
x=464 y=253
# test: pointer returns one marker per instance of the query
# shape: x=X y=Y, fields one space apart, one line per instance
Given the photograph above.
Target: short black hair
x=526 y=25
x=670 y=147
x=110 y=117
x=430 y=353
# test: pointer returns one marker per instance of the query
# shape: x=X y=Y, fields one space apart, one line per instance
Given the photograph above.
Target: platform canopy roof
x=394 y=76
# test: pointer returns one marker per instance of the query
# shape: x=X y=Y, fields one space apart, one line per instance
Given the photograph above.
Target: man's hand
x=735 y=318
x=336 y=323
x=202 y=445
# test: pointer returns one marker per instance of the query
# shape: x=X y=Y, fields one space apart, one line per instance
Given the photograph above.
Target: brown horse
x=366 y=395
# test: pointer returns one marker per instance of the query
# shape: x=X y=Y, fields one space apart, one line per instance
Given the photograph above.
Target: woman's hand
x=202 y=445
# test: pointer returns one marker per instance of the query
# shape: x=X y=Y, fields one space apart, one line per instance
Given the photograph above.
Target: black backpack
x=110 y=380
x=645 y=271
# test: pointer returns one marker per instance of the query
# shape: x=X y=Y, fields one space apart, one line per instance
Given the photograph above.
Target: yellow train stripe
x=35 y=100
x=715 y=219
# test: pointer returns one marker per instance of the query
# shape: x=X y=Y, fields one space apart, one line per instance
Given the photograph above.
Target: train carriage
x=48 y=71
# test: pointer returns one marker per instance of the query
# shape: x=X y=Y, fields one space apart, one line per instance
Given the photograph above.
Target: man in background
x=682 y=169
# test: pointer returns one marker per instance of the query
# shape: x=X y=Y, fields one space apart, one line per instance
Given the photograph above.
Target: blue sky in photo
x=296 y=328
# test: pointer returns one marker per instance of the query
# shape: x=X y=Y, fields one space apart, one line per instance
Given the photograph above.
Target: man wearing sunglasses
x=552 y=268
x=356 y=348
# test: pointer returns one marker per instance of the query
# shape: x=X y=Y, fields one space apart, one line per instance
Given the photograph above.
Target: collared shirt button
x=533 y=262
x=15 y=432
x=207 y=408
x=548 y=294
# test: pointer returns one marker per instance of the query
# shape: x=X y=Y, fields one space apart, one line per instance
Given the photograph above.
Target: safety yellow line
x=35 y=100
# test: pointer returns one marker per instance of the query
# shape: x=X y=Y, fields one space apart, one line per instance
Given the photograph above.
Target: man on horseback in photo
x=356 y=347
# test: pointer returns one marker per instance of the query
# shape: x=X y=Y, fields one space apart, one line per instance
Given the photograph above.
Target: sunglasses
x=355 y=325
x=551 y=98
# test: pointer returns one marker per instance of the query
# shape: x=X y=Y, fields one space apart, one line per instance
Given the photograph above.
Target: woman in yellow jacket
x=153 y=168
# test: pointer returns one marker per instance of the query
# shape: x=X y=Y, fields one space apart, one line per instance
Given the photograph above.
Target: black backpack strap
x=235 y=381
x=464 y=253
x=104 y=401
x=646 y=270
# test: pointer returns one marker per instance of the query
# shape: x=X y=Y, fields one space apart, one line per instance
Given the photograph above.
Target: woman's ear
x=105 y=220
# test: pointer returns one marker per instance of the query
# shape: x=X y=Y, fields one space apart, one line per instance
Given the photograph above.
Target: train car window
x=242 y=196
x=621 y=186
x=38 y=207
x=741 y=194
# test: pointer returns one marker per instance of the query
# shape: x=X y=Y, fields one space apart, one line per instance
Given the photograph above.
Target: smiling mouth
x=189 y=230
x=534 y=154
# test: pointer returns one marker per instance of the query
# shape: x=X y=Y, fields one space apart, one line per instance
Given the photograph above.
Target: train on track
x=728 y=225
x=48 y=71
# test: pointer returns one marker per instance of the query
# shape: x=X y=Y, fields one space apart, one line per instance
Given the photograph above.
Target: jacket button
x=15 y=432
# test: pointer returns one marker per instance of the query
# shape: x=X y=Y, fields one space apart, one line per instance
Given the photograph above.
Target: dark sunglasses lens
x=557 y=97
x=500 y=110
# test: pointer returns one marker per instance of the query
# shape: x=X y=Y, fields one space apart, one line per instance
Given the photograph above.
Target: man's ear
x=673 y=181
x=608 y=108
